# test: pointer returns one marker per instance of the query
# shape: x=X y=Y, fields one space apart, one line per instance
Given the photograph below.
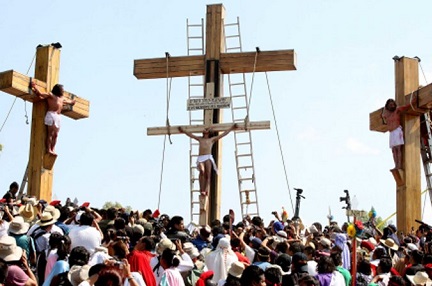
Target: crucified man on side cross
x=205 y=160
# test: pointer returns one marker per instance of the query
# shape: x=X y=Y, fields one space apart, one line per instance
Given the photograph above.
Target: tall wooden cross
x=408 y=187
x=40 y=166
x=212 y=66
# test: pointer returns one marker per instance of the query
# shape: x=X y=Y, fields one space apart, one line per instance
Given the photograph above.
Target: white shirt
x=86 y=236
x=186 y=264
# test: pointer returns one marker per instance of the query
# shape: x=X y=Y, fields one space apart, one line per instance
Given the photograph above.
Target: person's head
x=79 y=256
x=364 y=267
x=57 y=90
x=325 y=265
x=147 y=214
x=64 y=213
x=169 y=259
x=13 y=187
x=64 y=247
x=337 y=258
x=308 y=280
x=3 y=272
x=384 y=265
x=378 y=253
x=390 y=105
x=396 y=280
x=284 y=261
x=86 y=219
x=176 y=223
x=118 y=249
x=253 y=276
x=295 y=247
x=109 y=275
x=416 y=257
x=299 y=262
x=145 y=243
x=263 y=254
x=111 y=213
x=273 y=276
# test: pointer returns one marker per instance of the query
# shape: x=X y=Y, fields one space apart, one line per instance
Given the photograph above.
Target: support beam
x=17 y=84
x=163 y=130
x=424 y=96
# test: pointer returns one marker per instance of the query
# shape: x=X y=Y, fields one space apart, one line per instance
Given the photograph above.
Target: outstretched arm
x=37 y=91
x=216 y=138
x=188 y=134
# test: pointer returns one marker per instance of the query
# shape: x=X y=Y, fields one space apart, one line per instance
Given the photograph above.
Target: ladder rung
x=244 y=143
x=245 y=167
x=194 y=25
x=196 y=84
x=241 y=107
x=239 y=95
x=244 y=155
x=195 y=49
x=248 y=191
x=237 y=83
x=232 y=36
x=235 y=48
x=250 y=203
x=195 y=37
x=231 y=24
x=246 y=179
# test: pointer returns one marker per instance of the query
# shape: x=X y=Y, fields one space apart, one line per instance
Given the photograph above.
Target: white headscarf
x=220 y=260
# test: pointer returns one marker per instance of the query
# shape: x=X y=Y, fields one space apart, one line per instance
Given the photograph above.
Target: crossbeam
x=257 y=125
x=424 y=98
x=17 y=84
x=230 y=63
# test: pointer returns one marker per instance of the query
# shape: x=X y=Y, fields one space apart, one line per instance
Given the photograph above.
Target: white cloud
x=358 y=147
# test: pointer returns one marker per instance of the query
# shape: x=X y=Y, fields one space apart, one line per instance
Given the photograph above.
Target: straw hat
x=18 y=226
x=78 y=274
x=389 y=243
x=164 y=244
x=236 y=269
x=28 y=211
x=420 y=278
x=53 y=210
x=46 y=219
x=9 y=251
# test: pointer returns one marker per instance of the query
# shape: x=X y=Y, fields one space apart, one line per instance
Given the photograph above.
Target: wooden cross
x=408 y=187
x=40 y=166
x=212 y=66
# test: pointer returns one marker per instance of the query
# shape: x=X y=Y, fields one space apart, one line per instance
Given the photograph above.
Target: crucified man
x=205 y=160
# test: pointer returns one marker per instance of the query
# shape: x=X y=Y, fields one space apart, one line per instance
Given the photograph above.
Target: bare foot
x=52 y=152
x=204 y=193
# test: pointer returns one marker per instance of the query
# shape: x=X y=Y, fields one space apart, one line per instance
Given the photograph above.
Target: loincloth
x=396 y=137
x=52 y=118
x=203 y=158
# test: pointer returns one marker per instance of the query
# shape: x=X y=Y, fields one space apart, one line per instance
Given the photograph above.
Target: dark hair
x=284 y=261
x=379 y=252
x=296 y=247
x=307 y=280
x=396 y=280
x=64 y=247
x=252 y=274
x=273 y=275
x=385 y=264
x=14 y=185
x=79 y=256
x=119 y=248
x=232 y=281
x=86 y=218
x=57 y=90
x=174 y=220
x=64 y=213
x=119 y=223
x=364 y=267
x=170 y=258
x=149 y=243
x=256 y=220
x=3 y=271
x=147 y=212
x=281 y=247
x=309 y=250
x=417 y=256
x=111 y=213
x=55 y=240
x=109 y=276
x=325 y=265
x=337 y=258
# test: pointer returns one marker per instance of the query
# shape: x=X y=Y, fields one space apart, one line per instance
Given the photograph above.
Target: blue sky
x=344 y=71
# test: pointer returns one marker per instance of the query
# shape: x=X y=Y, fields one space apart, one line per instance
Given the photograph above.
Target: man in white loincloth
x=392 y=116
x=55 y=101
x=205 y=160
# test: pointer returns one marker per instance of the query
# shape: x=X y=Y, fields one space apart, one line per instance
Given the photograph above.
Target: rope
x=13 y=103
x=421 y=68
x=251 y=88
x=279 y=141
x=168 y=89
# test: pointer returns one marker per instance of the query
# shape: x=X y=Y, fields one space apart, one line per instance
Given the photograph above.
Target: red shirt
x=140 y=262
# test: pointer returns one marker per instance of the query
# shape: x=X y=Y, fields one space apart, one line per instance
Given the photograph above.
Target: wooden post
x=212 y=66
x=408 y=198
x=408 y=187
x=40 y=167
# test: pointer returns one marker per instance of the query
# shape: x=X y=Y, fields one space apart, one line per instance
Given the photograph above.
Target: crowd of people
x=55 y=243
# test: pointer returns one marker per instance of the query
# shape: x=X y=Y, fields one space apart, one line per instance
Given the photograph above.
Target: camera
x=119 y=264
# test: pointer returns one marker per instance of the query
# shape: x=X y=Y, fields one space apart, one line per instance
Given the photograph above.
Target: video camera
x=346 y=199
